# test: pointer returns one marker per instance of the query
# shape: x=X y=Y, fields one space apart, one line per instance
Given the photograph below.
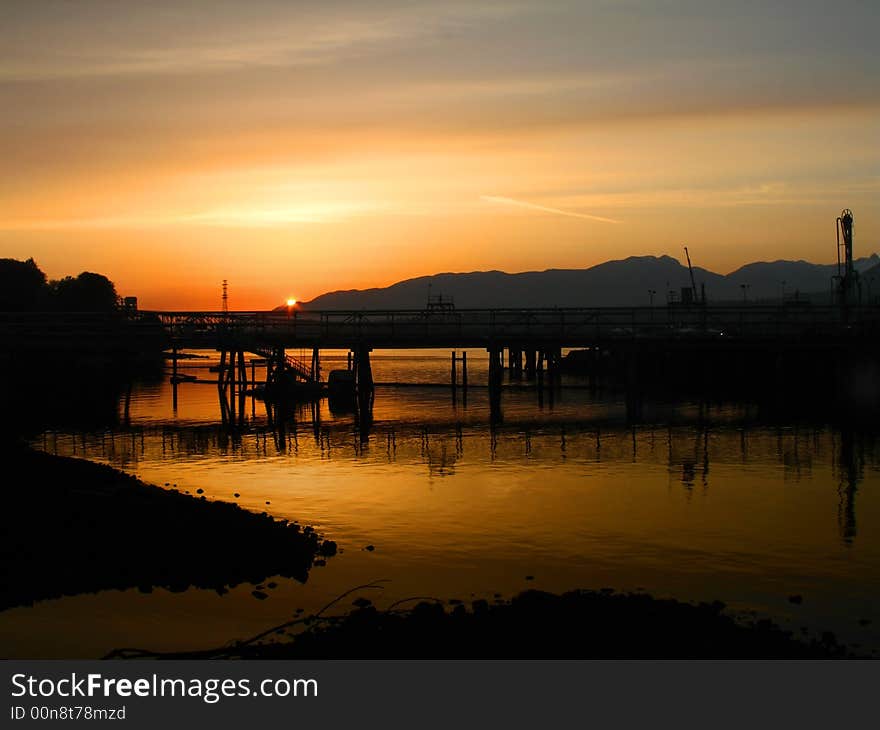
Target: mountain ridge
x=632 y=281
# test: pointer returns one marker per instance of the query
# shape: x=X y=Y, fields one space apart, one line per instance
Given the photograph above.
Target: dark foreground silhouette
x=576 y=625
x=71 y=526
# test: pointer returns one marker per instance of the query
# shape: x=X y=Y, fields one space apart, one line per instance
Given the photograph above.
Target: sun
x=291 y=302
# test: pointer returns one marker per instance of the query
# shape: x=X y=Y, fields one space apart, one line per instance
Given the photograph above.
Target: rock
x=370 y=548
x=200 y=491
x=272 y=585
x=362 y=602
x=328 y=548
x=236 y=495
x=259 y=595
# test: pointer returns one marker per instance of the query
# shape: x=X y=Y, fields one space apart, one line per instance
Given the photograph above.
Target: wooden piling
x=365 y=389
x=531 y=363
x=174 y=379
x=316 y=365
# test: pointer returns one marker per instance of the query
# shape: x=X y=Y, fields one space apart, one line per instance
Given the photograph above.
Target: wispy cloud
x=545 y=209
x=292 y=39
x=759 y=193
x=270 y=51
x=254 y=217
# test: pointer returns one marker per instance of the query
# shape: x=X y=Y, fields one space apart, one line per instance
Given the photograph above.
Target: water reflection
x=698 y=500
x=850 y=470
x=687 y=449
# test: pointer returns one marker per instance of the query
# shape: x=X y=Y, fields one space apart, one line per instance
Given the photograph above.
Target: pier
x=637 y=344
x=694 y=342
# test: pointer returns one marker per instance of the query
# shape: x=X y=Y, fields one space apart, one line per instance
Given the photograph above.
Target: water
x=695 y=502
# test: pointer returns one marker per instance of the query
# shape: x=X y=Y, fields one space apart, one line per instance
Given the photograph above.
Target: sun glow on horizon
x=334 y=147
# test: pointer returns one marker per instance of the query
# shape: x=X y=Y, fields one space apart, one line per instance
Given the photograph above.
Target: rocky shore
x=70 y=526
x=533 y=625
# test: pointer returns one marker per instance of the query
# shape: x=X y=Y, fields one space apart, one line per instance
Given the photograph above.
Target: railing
x=569 y=327
x=298 y=366
x=566 y=327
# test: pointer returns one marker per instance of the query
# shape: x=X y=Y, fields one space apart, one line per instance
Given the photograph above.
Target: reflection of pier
x=686 y=450
x=850 y=472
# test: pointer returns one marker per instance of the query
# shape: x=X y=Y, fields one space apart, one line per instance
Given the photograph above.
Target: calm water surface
x=695 y=502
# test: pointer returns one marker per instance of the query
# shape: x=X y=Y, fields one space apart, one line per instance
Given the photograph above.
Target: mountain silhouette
x=620 y=283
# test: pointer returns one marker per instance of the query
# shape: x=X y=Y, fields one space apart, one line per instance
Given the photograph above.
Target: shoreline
x=580 y=624
x=79 y=527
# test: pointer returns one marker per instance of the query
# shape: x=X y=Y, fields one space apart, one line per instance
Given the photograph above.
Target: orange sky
x=295 y=148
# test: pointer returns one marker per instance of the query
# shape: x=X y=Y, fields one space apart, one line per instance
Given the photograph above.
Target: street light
x=651 y=293
x=745 y=288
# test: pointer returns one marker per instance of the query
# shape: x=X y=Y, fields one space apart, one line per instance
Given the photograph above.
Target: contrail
x=545 y=209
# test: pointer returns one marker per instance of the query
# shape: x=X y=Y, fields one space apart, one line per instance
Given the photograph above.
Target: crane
x=691 y=270
x=849 y=277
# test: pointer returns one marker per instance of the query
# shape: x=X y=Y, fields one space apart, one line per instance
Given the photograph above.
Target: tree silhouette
x=88 y=292
x=22 y=286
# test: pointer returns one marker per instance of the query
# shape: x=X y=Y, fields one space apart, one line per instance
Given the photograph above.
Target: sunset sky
x=298 y=147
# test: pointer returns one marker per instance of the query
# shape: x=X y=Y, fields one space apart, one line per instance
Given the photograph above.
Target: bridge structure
x=539 y=328
x=526 y=341
x=634 y=344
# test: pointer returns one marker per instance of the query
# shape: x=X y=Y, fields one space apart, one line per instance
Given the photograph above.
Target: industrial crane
x=849 y=277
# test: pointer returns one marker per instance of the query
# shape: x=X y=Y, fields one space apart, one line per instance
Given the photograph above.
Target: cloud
x=543 y=208
x=285 y=37
x=760 y=193
x=250 y=217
